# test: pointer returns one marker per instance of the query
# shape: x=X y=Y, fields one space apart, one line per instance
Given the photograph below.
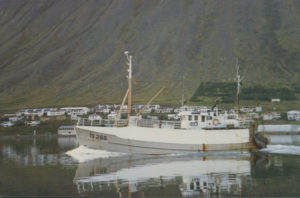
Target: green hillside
x=57 y=53
x=227 y=92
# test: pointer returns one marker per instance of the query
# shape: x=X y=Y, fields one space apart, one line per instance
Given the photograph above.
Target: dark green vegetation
x=224 y=90
x=263 y=93
x=227 y=92
x=45 y=128
x=57 y=53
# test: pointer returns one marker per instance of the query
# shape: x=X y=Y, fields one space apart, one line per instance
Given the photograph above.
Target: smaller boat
x=66 y=131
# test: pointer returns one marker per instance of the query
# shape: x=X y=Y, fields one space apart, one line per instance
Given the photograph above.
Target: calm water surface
x=40 y=166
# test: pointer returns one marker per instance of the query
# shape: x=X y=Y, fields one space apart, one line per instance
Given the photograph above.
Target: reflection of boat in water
x=67 y=142
x=279 y=129
x=37 y=151
x=288 y=139
x=286 y=134
x=195 y=132
x=193 y=174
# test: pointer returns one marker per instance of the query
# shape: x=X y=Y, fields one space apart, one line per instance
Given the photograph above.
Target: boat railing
x=102 y=122
x=158 y=124
x=124 y=122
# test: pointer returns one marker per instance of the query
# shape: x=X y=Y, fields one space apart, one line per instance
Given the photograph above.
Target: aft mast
x=182 y=96
x=238 y=80
x=129 y=63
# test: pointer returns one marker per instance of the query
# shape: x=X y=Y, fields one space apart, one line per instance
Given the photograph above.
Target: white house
x=15 y=118
x=55 y=113
x=293 y=115
x=173 y=116
x=193 y=108
x=275 y=100
x=154 y=106
x=94 y=116
x=75 y=110
x=111 y=116
x=73 y=116
x=271 y=116
x=258 y=109
x=7 y=124
x=32 y=112
x=33 y=123
x=246 y=109
x=164 y=110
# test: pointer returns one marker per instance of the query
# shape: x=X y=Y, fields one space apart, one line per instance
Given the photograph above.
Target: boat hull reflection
x=196 y=174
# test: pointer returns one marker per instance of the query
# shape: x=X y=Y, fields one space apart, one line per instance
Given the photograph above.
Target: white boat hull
x=157 y=141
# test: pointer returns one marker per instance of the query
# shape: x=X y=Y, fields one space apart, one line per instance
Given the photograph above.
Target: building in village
x=94 y=116
x=55 y=113
x=293 y=115
x=75 y=110
x=271 y=116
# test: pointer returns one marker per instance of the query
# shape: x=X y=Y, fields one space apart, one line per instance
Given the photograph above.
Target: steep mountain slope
x=71 y=52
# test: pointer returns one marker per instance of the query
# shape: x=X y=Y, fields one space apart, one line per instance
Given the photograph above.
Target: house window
x=192 y=186
x=196 y=117
x=190 y=117
x=203 y=118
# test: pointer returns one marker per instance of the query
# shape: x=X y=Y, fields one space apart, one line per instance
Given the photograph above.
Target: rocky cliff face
x=71 y=52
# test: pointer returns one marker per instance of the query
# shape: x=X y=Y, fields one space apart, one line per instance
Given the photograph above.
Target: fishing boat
x=196 y=131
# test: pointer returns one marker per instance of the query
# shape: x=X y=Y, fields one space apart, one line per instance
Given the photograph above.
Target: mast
x=238 y=81
x=129 y=63
x=182 y=96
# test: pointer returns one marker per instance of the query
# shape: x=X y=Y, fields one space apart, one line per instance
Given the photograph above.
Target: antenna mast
x=129 y=63
x=238 y=80
x=182 y=96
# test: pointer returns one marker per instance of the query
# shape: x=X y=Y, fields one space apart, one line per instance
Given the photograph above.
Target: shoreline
x=6 y=137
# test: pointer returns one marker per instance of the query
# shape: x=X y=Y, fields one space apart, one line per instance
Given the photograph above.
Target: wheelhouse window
x=202 y=118
x=190 y=117
x=196 y=117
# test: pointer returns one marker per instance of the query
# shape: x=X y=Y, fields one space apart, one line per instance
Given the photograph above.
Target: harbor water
x=56 y=166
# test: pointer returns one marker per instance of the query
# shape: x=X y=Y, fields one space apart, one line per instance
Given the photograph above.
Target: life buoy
x=193 y=123
x=216 y=122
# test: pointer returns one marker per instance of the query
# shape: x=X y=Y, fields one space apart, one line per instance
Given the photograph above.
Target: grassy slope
x=56 y=53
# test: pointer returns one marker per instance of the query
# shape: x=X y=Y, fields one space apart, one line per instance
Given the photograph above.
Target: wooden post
x=129 y=99
x=238 y=80
x=237 y=103
x=121 y=108
x=129 y=63
x=157 y=94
